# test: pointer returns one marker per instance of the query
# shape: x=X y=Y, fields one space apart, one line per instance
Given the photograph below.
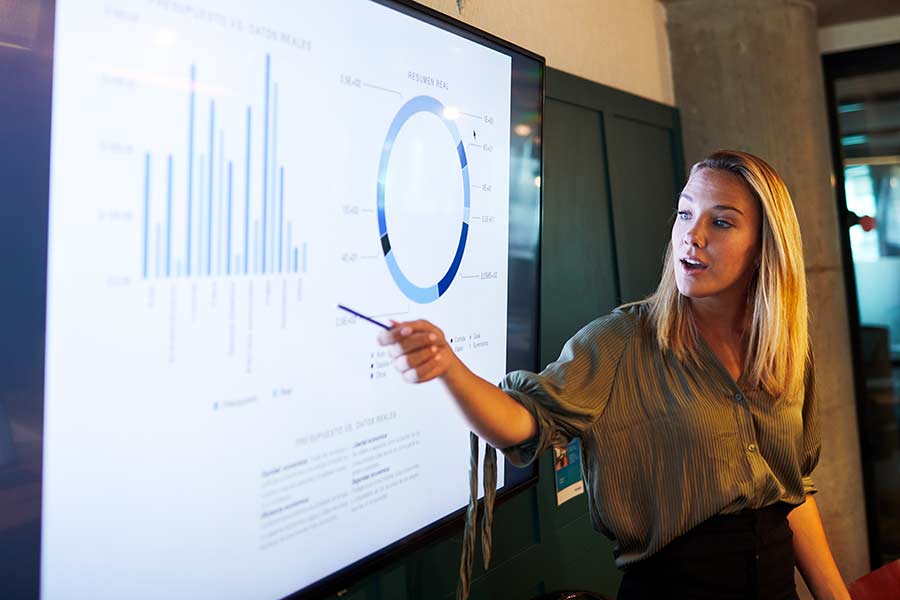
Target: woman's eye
x=684 y=215
x=723 y=224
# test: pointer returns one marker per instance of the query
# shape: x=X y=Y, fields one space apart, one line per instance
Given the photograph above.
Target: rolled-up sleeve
x=571 y=393
x=811 y=435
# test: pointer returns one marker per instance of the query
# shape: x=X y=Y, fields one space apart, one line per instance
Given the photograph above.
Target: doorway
x=863 y=89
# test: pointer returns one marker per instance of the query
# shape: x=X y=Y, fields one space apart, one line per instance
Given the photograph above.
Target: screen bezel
x=25 y=229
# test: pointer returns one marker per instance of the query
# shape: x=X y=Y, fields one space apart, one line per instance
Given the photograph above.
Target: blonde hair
x=777 y=336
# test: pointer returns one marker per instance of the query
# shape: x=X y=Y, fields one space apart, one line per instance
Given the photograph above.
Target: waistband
x=767 y=516
x=742 y=532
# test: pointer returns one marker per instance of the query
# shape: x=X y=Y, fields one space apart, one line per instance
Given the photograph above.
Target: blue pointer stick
x=362 y=316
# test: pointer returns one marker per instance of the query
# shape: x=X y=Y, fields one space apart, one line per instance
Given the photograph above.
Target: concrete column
x=748 y=76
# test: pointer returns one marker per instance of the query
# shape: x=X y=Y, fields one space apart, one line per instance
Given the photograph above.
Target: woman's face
x=716 y=236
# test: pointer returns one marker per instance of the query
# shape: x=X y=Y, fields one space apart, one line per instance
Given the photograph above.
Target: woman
x=695 y=407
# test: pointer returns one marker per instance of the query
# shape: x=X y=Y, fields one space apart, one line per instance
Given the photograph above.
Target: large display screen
x=219 y=177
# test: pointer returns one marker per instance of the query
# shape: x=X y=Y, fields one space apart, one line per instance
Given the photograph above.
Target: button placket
x=747 y=421
x=745 y=432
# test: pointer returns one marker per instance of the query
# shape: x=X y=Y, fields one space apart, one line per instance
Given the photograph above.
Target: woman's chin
x=693 y=291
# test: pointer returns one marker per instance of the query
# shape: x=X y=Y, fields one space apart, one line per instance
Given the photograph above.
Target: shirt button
x=739 y=397
x=751 y=448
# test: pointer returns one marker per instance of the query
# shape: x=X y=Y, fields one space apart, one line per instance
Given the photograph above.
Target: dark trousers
x=748 y=556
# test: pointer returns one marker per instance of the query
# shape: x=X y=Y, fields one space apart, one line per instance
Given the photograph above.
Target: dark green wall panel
x=578 y=279
x=643 y=181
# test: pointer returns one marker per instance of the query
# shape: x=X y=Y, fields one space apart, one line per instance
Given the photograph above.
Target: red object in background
x=867 y=223
x=881 y=584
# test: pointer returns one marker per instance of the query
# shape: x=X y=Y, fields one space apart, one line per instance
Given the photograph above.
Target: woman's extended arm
x=421 y=353
x=812 y=554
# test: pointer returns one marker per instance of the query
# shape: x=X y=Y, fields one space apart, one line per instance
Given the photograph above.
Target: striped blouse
x=665 y=444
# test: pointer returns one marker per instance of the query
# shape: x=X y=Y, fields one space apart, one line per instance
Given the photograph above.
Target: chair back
x=881 y=584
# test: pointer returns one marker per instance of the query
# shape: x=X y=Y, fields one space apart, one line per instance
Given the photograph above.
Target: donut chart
x=427 y=294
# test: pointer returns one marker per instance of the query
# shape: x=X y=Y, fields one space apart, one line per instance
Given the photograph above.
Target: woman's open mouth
x=692 y=266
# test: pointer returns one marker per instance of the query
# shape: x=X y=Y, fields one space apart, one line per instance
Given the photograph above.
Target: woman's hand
x=421 y=352
x=419 y=349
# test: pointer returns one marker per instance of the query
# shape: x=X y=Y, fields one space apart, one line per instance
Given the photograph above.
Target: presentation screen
x=202 y=184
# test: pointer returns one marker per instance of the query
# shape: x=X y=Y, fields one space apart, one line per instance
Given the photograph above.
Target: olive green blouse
x=665 y=444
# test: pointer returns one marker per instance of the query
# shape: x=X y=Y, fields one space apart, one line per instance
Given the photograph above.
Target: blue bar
x=169 y=218
x=158 y=235
x=190 y=181
x=201 y=207
x=290 y=234
x=212 y=130
x=228 y=243
x=220 y=212
x=304 y=257
x=255 y=246
x=265 y=169
x=274 y=174
x=295 y=260
x=281 y=220
x=146 y=208
x=247 y=202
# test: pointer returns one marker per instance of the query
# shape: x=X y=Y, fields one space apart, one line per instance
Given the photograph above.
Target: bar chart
x=232 y=225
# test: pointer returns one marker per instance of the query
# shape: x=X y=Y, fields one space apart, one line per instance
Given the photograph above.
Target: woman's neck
x=722 y=318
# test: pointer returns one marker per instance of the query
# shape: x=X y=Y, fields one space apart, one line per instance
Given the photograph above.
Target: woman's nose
x=694 y=236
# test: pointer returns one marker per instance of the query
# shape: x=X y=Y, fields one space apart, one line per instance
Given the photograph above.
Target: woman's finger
x=417 y=341
x=430 y=369
x=394 y=334
x=398 y=332
x=414 y=359
x=412 y=343
x=423 y=325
